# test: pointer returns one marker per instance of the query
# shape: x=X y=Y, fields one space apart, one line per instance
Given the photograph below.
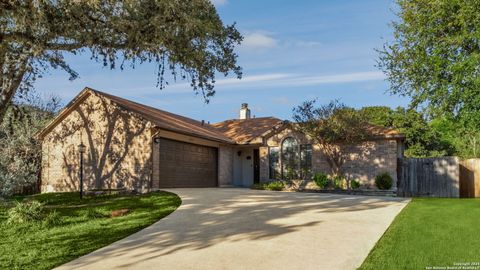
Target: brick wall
x=264 y=169
x=364 y=161
x=225 y=165
x=118 y=149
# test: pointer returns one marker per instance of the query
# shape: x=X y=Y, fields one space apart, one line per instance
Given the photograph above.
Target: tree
x=378 y=115
x=186 y=38
x=331 y=126
x=435 y=55
x=434 y=58
x=422 y=139
x=20 y=160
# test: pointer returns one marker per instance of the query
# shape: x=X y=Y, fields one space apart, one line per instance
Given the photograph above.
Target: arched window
x=290 y=158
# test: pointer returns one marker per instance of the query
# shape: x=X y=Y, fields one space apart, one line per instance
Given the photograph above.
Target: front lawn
x=81 y=226
x=430 y=232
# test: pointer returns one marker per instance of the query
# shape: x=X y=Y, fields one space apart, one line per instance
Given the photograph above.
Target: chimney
x=244 y=111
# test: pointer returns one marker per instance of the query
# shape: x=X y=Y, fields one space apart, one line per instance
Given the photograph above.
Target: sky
x=292 y=51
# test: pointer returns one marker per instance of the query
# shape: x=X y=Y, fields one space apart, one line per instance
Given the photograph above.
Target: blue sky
x=292 y=51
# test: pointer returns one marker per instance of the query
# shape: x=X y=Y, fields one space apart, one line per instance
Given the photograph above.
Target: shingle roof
x=240 y=131
x=245 y=130
x=169 y=121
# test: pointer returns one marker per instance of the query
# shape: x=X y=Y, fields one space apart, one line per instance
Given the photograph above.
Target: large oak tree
x=186 y=38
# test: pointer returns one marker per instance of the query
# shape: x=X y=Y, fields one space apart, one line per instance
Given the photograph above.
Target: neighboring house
x=133 y=146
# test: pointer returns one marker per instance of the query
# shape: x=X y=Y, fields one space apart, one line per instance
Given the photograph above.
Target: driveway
x=233 y=228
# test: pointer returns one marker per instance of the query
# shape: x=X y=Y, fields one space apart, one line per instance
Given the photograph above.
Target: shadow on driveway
x=220 y=228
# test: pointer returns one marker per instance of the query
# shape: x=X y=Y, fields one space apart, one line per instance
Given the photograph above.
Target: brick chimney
x=244 y=111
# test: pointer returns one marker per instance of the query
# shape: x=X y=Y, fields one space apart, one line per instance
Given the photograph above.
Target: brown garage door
x=187 y=165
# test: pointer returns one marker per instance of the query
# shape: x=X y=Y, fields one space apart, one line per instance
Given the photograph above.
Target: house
x=133 y=146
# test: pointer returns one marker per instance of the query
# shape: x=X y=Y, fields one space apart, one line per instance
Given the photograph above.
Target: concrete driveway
x=230 y=228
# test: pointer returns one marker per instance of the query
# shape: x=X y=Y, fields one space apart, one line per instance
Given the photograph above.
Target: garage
x=185 y=165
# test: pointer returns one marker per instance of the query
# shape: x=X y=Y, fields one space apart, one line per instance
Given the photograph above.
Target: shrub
x=275 y=185
x=338 y=182
x=257 y=186
x=383 y=181
x=52 y=219
x=354 y=184
x=25 y=212
x=321 y=180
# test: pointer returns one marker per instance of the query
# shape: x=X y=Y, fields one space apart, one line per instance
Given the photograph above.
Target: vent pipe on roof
x=244 y=111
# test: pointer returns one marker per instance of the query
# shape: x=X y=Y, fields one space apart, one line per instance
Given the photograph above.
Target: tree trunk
x=13 y=67
x=6 y=96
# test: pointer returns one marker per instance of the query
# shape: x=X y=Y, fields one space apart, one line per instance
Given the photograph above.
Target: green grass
x=430 y=232
x=35 y=246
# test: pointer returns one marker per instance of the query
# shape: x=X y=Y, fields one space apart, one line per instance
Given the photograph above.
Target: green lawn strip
x=34 y=246
x=429 y=232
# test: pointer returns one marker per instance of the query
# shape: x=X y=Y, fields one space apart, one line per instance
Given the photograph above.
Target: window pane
x=274 y=155
x=290 y=159
x=306 y=161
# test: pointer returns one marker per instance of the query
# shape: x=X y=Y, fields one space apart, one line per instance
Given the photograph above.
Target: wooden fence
x=438 y=177
x=470 y=178
x=430 y=177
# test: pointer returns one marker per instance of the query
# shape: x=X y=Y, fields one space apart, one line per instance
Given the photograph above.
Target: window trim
x=299 y=162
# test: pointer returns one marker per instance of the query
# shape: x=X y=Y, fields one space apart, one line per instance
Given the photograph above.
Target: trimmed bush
x=275 y=185
x=383 y=181
x=26 y=212
x=354 y=184
x=321 y=180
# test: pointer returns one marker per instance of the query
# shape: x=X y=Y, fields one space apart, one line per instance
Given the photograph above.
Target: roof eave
x=196 y=135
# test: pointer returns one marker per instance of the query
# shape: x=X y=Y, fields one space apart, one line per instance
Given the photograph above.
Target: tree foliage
x=20 y=160
x=434 y=59
x=186 y=38
x=332 y=126
x=422 y=139
x=435 y=54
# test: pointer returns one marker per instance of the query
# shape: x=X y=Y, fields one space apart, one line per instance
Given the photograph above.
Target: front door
x=256 y=166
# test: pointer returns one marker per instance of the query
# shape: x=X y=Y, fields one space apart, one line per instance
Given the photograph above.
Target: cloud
x=337 y=78
x=258 y=41
x=302 y=44
x=219 y=2
x=279 y=80
x=253 y=79
x=292 y=80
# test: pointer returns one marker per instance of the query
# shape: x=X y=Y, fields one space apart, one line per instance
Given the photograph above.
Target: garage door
x=187 y=165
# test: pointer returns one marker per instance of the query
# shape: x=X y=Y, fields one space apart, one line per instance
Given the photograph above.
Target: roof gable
x=159 y=118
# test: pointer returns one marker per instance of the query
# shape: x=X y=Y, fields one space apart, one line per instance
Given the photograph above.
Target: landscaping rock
x=119 y=212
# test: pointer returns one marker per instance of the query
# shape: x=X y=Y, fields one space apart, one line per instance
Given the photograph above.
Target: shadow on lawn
x=210 y=217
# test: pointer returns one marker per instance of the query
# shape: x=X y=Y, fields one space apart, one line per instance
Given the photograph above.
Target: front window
x=290 y=160
x=305 y=161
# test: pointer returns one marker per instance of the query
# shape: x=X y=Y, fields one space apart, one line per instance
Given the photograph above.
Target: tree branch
x=64 y=46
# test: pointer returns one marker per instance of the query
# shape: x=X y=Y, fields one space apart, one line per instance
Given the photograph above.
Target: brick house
x=133 y=146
